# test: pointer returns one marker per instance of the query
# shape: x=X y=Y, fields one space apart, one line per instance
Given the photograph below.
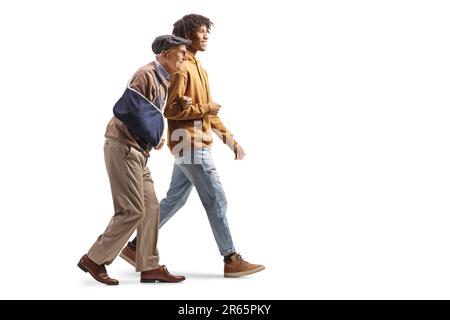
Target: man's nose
x=205 y=36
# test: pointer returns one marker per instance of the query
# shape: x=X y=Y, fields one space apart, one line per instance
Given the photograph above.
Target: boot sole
x=148 y=281
x=243 y=273
x=124 y=257
x=154 y=280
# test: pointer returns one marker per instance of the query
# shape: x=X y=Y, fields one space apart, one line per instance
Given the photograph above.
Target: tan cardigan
x=142 y=81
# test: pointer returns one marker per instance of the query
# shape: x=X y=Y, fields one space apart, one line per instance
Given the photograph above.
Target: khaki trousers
x=135 y=206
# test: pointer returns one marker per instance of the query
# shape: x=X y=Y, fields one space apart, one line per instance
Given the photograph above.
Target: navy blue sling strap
x=143 y=117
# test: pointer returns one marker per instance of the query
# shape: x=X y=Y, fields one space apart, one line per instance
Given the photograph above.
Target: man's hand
x=239 y=152
x=186 y=102
x=161 y=144
x=214 y=108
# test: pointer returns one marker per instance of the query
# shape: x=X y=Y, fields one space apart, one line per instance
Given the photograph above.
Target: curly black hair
x=189 y=23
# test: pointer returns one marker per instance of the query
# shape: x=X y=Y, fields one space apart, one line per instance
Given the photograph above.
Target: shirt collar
x=162 y=71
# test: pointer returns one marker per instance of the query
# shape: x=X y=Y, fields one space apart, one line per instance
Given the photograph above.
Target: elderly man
x=126 y=149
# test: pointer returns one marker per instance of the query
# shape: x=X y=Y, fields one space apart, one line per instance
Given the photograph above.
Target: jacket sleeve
x=144 y=83
x=174 y=110
x=222 y=132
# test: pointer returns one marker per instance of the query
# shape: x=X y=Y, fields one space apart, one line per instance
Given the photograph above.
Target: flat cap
x=166 y=42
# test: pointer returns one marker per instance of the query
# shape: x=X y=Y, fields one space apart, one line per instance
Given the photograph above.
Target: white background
x=342 y=107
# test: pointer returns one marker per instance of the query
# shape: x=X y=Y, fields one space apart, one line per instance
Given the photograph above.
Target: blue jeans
x=200 y=173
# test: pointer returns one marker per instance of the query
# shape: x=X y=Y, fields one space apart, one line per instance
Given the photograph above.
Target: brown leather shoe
x=98 y=272
x=160 y=274
x=129 y=254
x=236 y=266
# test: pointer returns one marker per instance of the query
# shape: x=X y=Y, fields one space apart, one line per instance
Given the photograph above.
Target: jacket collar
x=191 y=57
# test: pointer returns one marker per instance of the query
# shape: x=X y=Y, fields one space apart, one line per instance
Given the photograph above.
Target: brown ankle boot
x=236 y=266
x=129 y=254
